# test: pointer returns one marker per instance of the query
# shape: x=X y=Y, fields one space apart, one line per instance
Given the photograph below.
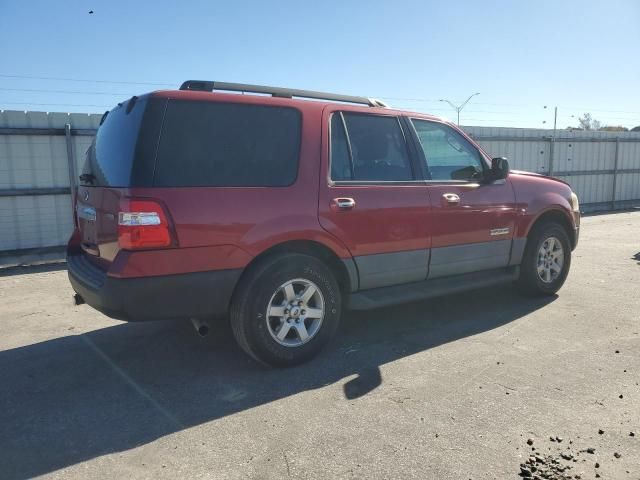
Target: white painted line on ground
x=132 y=383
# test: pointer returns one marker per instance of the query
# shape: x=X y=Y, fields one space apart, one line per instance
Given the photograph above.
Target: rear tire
x=546 y=260
x=285 y=309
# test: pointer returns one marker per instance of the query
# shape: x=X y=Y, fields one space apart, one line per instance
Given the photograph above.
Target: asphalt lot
x=446 y=389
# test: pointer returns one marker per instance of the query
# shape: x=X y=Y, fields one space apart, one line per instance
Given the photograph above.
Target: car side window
x=449 y=155
x=373 y=148
x=216 y=144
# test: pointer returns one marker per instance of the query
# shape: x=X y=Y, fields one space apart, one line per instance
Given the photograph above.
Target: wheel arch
x=557 y=215
x=529 y=280
x=527 y=225
x=344 y=269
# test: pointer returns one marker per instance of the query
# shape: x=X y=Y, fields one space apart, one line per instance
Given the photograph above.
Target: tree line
x=587 y=122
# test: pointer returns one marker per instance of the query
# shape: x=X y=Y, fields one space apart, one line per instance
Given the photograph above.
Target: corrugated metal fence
x=603 y=168
x=41 y=155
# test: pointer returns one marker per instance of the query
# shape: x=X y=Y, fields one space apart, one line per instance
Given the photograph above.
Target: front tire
x=546 y=260
x=285 y=310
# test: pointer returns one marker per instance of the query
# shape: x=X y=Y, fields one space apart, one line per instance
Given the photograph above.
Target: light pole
x=458 y=108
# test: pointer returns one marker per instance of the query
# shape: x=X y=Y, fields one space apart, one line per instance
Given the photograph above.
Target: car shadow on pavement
x=74 y=398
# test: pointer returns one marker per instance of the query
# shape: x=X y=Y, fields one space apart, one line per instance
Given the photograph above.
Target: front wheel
x=546 y=260
x=286 y=309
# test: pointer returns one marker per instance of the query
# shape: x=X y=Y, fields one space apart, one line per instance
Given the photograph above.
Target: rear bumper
x=188 y=295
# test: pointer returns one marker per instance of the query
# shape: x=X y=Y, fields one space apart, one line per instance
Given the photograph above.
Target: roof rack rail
x=210 y=86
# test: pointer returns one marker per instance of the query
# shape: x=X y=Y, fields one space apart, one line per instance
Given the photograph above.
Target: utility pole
x=458 y=108
x=555 y=120
x=552 y=140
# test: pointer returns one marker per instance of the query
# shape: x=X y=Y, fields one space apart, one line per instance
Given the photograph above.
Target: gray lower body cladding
x=472 y=257
x=395 y=268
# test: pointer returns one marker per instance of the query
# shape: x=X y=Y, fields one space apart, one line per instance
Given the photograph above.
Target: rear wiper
x=87 y=178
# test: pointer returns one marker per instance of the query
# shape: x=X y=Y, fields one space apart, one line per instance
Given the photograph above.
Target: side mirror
x=499 y=168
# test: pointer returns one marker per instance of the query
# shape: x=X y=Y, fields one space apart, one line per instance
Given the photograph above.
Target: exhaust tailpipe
x=77 y=299
x=201 y=326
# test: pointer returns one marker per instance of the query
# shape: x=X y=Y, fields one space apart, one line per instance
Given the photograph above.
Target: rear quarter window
x=111 y=158
x=123 y=151
x=228 y=144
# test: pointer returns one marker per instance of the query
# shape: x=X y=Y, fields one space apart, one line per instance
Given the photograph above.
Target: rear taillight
x=142 y=224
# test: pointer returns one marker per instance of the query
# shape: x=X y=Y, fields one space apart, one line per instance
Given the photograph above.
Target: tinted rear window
x=119 y=156
x=228 y=144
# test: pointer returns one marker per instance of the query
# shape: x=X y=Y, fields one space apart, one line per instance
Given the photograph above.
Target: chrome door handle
x=343 y=204
x=451 y=198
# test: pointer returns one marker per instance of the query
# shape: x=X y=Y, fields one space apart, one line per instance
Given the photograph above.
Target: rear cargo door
x=120 y=157
x=97 y=212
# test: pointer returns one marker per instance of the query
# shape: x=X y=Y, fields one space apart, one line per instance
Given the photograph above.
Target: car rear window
x=123 y=150
x=228 y=144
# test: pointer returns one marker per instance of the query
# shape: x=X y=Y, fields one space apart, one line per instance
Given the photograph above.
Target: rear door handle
x=342 y=204
x=451 y=198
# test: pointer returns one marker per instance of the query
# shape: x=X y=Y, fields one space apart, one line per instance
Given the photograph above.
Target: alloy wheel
x=550 y=260
x=295 y=312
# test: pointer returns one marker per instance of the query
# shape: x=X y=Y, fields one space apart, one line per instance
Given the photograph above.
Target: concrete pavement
x=446 y=389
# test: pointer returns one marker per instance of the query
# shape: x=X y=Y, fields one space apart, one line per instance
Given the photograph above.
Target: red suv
x=279 y=212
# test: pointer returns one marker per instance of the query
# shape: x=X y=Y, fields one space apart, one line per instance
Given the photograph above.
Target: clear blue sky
x=520 y=55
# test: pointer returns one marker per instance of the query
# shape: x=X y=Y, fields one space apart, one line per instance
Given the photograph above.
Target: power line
x=470 y=110
x=114 y=82
x=586 y=109
x=571 y=110
x=465 y=120
x=518 y=113
x=172 y=84
x=167 y=84
x=44 y=90
x=528 y=111
x=57 y=104
x=429 y=100
x=127 y=94
x=485 y=113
